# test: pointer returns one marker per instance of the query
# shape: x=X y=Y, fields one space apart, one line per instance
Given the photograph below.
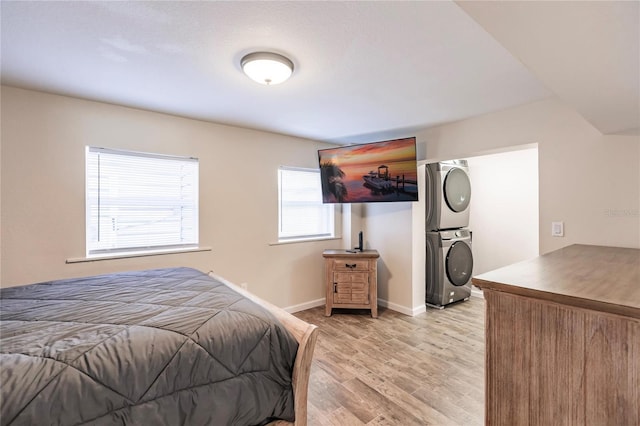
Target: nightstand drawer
x=350 y=265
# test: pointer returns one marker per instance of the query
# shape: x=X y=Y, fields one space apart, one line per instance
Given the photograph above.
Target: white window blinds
x=302 y=214
x=140 y=202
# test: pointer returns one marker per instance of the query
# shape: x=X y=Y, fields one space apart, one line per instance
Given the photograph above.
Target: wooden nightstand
x=351 y=280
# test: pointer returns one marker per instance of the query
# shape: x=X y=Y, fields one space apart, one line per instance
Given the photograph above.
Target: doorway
x=504 y=208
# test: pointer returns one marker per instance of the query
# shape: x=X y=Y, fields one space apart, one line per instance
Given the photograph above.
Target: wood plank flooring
x=397 y=369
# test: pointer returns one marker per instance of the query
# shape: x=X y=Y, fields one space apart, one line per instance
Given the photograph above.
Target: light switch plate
x=557 y=229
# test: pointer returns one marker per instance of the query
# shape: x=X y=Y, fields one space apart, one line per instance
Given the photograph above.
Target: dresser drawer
x=350 y=265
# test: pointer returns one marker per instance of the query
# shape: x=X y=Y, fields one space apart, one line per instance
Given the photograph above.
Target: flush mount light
x=266 y=67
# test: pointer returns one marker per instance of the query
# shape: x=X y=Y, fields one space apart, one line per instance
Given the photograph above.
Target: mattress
x=156 y=347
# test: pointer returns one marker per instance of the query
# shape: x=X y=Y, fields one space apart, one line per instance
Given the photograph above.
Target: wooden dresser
x=563 y=339
x=351 y=280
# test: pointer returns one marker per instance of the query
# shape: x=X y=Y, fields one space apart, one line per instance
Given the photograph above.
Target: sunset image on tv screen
x=380 y=171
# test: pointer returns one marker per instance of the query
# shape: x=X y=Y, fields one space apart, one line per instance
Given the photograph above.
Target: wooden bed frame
x=306 y=334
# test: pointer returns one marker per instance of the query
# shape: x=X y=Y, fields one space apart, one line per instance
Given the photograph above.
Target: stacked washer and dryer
x=449 y=261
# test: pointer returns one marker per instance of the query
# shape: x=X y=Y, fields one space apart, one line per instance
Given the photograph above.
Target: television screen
x=373 y=172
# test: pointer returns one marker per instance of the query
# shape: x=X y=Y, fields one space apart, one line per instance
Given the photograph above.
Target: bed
x=157 y=347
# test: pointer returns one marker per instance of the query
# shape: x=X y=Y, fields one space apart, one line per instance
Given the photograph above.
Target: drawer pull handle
x=335 y=287
x=350 y=266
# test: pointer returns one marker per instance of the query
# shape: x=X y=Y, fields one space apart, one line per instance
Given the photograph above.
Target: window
x=302 y=214
x=139 y=202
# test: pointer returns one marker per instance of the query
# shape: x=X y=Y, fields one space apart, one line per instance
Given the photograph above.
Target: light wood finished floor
x=398 y=370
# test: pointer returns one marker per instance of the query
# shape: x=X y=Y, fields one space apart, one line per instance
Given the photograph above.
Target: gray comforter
x=157 y=347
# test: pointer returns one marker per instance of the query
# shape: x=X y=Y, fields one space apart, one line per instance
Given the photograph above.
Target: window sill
x=135 y=254
x=304 y=240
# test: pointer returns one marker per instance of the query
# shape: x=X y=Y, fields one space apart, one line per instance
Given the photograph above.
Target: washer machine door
x=457 y=190
x=459 y=263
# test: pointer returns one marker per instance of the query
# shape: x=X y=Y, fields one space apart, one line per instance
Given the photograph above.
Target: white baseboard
x=477 y=292
x=305 y=306
x=417 y=310
x=395 y=307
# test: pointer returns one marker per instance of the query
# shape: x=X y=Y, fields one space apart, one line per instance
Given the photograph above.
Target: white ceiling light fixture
x=266 y=67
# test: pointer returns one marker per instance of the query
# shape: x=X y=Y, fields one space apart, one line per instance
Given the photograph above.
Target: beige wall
x=503 y=213
x=387 y=228
x=43 y=142
x=587 y=180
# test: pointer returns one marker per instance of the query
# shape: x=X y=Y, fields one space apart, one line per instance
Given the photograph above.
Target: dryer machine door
x=459 y=263
x=457 y=190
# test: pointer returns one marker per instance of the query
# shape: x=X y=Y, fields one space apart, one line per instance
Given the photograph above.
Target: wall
x=43 y=142
x=587 y=180
x=387 y=228
x=503 y=213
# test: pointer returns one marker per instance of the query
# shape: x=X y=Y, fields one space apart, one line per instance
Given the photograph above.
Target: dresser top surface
x=595 y=277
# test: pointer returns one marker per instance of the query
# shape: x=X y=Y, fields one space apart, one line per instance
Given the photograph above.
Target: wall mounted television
x=384 y=171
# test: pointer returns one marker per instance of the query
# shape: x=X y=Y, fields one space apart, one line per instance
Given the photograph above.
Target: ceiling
x=363 y=70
